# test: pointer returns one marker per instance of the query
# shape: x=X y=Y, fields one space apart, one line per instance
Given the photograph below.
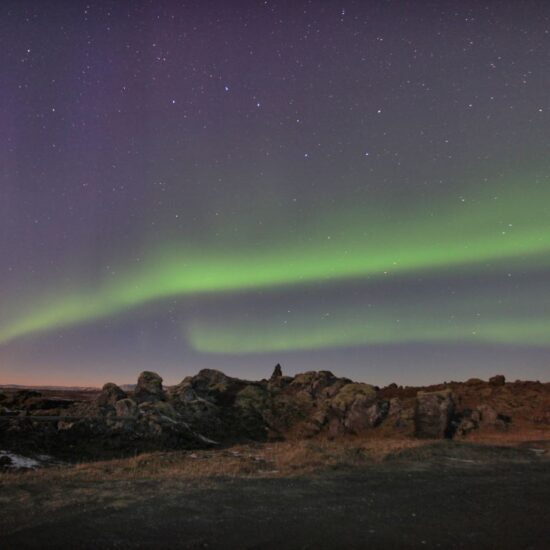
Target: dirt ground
x=437 y=495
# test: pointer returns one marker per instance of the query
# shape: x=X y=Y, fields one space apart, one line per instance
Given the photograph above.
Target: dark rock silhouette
x=277 y=373
x=434 y=411
x=126 y=408
x=149 y=387
x=110 y=394
x=498 y=380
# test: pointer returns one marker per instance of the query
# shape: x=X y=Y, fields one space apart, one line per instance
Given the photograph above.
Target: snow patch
x=19 y=461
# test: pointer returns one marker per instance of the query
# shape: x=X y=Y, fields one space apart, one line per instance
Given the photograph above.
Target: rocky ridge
x=212 y=408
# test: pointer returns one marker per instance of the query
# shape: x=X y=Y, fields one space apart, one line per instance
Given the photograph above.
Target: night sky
x=362 y=187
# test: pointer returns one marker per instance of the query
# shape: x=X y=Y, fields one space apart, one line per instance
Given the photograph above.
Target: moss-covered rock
x=349 y=393
x=110 y=394
x=149 y=388
x=434 y=411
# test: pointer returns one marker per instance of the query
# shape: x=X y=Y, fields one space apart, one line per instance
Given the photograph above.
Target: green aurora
x=340 y=332
x=460 y=319
x=505 y=225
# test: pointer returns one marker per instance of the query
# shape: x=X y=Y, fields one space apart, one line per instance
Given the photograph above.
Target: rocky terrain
x=211 y=409
x=309 y=461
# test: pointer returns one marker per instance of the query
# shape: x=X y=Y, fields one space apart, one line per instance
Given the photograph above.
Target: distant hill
x=53 y=388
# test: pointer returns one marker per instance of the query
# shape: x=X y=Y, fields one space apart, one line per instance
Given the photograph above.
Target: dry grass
x=309 y=456
x=509 y=437
x=30 y=497
x=287 y=458
x=281 y=459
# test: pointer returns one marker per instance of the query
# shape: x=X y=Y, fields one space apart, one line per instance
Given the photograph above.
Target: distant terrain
x=48 y=388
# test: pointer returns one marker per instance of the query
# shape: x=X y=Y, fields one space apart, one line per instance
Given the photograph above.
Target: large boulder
x=351 y=408
x=487 y=415
x=110 y=394
x=221 y=406
x=358 y=409
x=317 y=383
x=433 y=415
x=213 y=381
x=249 y=407
x=364 y=415
x=149 y=388
x=298 y=407
x=400 y=417
x=126 y=408
x=497 y=380
x=212 y=385
x=474 y=382
x=482 y=417
x=351 y=394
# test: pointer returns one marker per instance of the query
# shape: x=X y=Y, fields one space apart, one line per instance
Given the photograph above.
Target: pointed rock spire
x=277 y=373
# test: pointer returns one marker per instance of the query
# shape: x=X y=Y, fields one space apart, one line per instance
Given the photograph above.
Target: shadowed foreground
x=444 y=495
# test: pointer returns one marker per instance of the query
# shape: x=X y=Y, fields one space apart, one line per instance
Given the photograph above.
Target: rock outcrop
x=211 y=406
x=433 y=415
x=401 y=417
x=498 y=380
x=149 y=388
x=222 y=406
x=277 y=373
x=126 y=408
x=110 y=394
